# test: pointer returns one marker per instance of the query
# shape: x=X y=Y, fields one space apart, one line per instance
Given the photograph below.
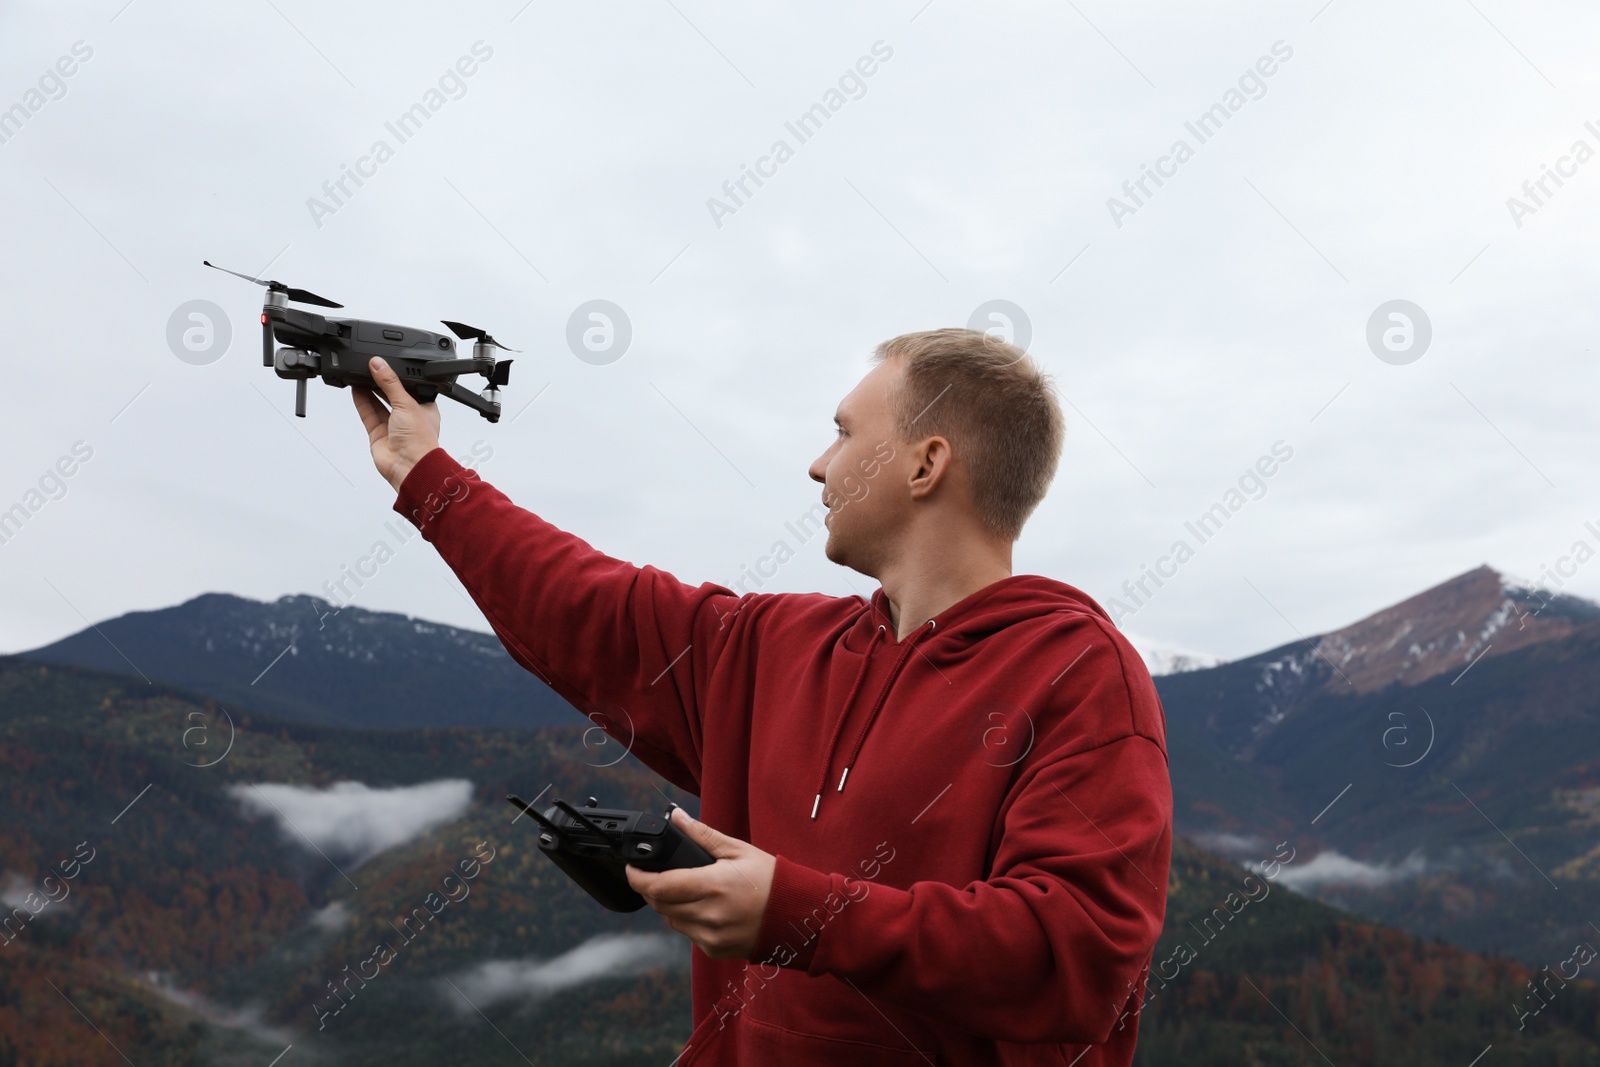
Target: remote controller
x=593 y=845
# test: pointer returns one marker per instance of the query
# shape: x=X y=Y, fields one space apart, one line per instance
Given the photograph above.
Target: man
x=943 y=819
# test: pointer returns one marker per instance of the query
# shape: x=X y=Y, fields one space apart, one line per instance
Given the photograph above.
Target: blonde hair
x=994 y=405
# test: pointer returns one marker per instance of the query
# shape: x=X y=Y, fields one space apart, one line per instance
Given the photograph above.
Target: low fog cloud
x=605 y=956
x=335 y=916
x=1229 y=844
x=250 y=1019
x=1332 y=868
x=352 y=818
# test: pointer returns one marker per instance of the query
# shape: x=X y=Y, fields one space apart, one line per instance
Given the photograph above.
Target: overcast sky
x=1190 y=329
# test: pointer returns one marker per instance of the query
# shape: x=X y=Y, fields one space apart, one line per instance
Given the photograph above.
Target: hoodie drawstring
x=833 y=739
x=861 y=735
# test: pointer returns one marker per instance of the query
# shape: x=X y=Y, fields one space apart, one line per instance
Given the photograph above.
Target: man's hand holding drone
x=401 y=433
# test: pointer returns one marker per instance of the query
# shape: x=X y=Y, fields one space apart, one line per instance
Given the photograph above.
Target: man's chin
x=834 y=550
x=838 y=552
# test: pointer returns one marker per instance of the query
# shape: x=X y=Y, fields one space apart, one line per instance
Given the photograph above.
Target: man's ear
x=933 y=457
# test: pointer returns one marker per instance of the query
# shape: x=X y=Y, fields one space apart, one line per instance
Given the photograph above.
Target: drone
x=338 y=351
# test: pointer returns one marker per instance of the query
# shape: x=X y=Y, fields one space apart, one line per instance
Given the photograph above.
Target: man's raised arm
x=632 y=647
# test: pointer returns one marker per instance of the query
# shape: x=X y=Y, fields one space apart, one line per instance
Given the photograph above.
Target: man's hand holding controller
x=401 y=433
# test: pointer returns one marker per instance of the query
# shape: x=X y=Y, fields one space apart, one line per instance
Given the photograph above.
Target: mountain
x=1162 y=658
x=1448 y=628
x=206 y=928
x=1437 y=762
x=1445 y=630
x=234 y=873
x=299 y=658
x=1442 y=755
x=1248 y=972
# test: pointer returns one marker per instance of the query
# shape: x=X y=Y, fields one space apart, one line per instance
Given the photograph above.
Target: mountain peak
x=299 y=657
x=1449 y=626
x=1161 y=658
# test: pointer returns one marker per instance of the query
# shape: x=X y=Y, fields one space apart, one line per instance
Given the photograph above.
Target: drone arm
x=307 y=321
x=489 y=409
x=439 y=369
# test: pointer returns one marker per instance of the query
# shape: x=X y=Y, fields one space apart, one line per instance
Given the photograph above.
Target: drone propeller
x=298 y=295
x=501 y=375
x=472 y=333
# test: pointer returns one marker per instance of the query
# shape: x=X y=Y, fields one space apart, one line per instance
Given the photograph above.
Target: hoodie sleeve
x=1048 y=948
x=631 y=647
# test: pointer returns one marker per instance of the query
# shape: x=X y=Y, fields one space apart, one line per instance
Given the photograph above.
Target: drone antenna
x=538 y=816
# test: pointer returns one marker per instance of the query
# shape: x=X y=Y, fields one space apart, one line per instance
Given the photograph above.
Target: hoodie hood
x=1017 y=598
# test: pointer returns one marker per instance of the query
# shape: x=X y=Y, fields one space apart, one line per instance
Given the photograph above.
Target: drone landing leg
x=300 y=397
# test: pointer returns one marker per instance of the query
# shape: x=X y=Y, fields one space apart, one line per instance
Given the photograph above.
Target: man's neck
x=923 y=587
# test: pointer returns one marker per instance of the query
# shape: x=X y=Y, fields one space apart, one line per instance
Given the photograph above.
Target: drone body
x=339 y=350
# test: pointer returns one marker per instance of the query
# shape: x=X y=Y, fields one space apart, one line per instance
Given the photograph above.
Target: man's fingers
x=717 y=844
x=669 y=888
x=374 y=415
x=389 y=382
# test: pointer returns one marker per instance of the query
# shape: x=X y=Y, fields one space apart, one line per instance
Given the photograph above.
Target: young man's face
x=860 y=473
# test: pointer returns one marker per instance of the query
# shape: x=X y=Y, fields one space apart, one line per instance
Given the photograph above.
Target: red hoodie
x=972 y=825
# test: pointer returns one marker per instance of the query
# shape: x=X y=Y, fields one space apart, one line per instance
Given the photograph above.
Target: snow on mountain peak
x=1162 y=658
x=1449 y=627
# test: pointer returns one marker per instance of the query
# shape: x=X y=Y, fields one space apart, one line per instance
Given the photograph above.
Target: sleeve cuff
x=429 y=487
x=800 y=905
